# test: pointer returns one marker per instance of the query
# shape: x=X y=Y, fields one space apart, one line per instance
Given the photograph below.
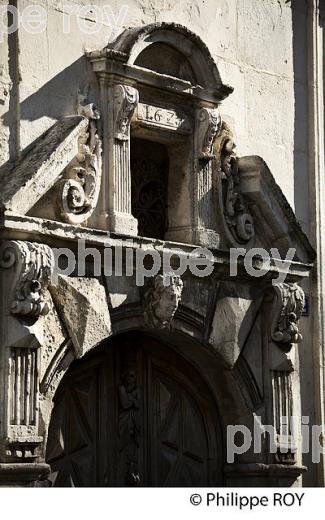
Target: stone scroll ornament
x=162 y=296
x=78 y=192
x=238 y=219
x=34 y=265
x=125 y=102
x=289 y=304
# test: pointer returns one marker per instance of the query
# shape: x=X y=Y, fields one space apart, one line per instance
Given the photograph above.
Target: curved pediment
x=170 y=50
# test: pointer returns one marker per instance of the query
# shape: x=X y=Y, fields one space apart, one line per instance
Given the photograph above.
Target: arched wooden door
x=134 y=413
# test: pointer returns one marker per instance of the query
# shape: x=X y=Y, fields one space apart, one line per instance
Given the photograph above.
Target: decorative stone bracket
x=288 y=306
x=34 y=264
x=285 y=305
x=30 y=267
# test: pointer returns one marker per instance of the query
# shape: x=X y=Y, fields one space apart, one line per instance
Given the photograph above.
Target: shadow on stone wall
x=55 y=99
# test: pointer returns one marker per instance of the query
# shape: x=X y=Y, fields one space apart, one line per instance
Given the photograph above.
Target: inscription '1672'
x=163 y=117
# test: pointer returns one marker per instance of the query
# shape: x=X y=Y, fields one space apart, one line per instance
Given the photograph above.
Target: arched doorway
x=134 y=412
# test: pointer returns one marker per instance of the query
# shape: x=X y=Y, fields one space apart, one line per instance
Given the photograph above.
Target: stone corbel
x=285 y=305
x=288 y=306
x=209 y=125
x=125 y=102
x=30 y=268
x=78 y=192
x=162 y=297
x=34 y=264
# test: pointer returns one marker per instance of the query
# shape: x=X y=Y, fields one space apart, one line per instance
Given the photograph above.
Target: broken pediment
x=168 y=157
x=58 y=177
x=252 y=211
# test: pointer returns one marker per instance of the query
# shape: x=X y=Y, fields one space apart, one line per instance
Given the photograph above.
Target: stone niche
x=153 y=164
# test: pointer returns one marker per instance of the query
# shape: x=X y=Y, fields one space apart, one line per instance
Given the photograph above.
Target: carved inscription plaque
x=165 y=118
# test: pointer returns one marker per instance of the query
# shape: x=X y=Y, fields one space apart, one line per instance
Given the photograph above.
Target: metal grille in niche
x=149 y=171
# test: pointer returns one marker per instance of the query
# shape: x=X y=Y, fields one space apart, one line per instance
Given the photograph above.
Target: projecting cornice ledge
x=273 y=216
x=41 y=165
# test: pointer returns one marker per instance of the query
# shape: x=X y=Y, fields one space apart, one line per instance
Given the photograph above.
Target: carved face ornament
x=162 y=300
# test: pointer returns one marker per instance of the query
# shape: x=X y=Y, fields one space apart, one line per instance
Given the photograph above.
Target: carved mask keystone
x=162 y=298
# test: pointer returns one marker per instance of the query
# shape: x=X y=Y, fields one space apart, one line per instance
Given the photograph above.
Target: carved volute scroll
x=237 y=216
x=78 y=192
x=125 y=102
x=33 y=264
x=162 y=296
x=209 y=125
x=288 y=306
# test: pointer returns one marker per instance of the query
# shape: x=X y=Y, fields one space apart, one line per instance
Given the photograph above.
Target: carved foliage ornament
x=289 y=304
x=239 y=221
x=79 y=191
x=125 y=101
x=209 y=125
x=162 y=297
x=34 y=264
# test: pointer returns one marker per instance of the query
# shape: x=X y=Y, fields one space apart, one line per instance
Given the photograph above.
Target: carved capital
x=78 y=192
x=209 y=125
x=34 y=264
x=162 y=297
x=126 y=99
x=236 y=213
x=288 y=306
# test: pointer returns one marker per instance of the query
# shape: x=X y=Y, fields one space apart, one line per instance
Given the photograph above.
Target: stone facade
x=151 y=144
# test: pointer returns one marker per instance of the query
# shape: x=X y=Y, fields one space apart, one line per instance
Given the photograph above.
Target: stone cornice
x=58 y=234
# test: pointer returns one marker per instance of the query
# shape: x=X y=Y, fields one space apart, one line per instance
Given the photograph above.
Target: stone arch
x=184 y=340
x=132 y=42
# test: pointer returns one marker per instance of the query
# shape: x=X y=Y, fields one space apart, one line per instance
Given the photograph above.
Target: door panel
x=133 y=413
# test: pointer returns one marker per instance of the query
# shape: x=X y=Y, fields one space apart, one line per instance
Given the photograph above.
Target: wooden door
x=134 y=413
